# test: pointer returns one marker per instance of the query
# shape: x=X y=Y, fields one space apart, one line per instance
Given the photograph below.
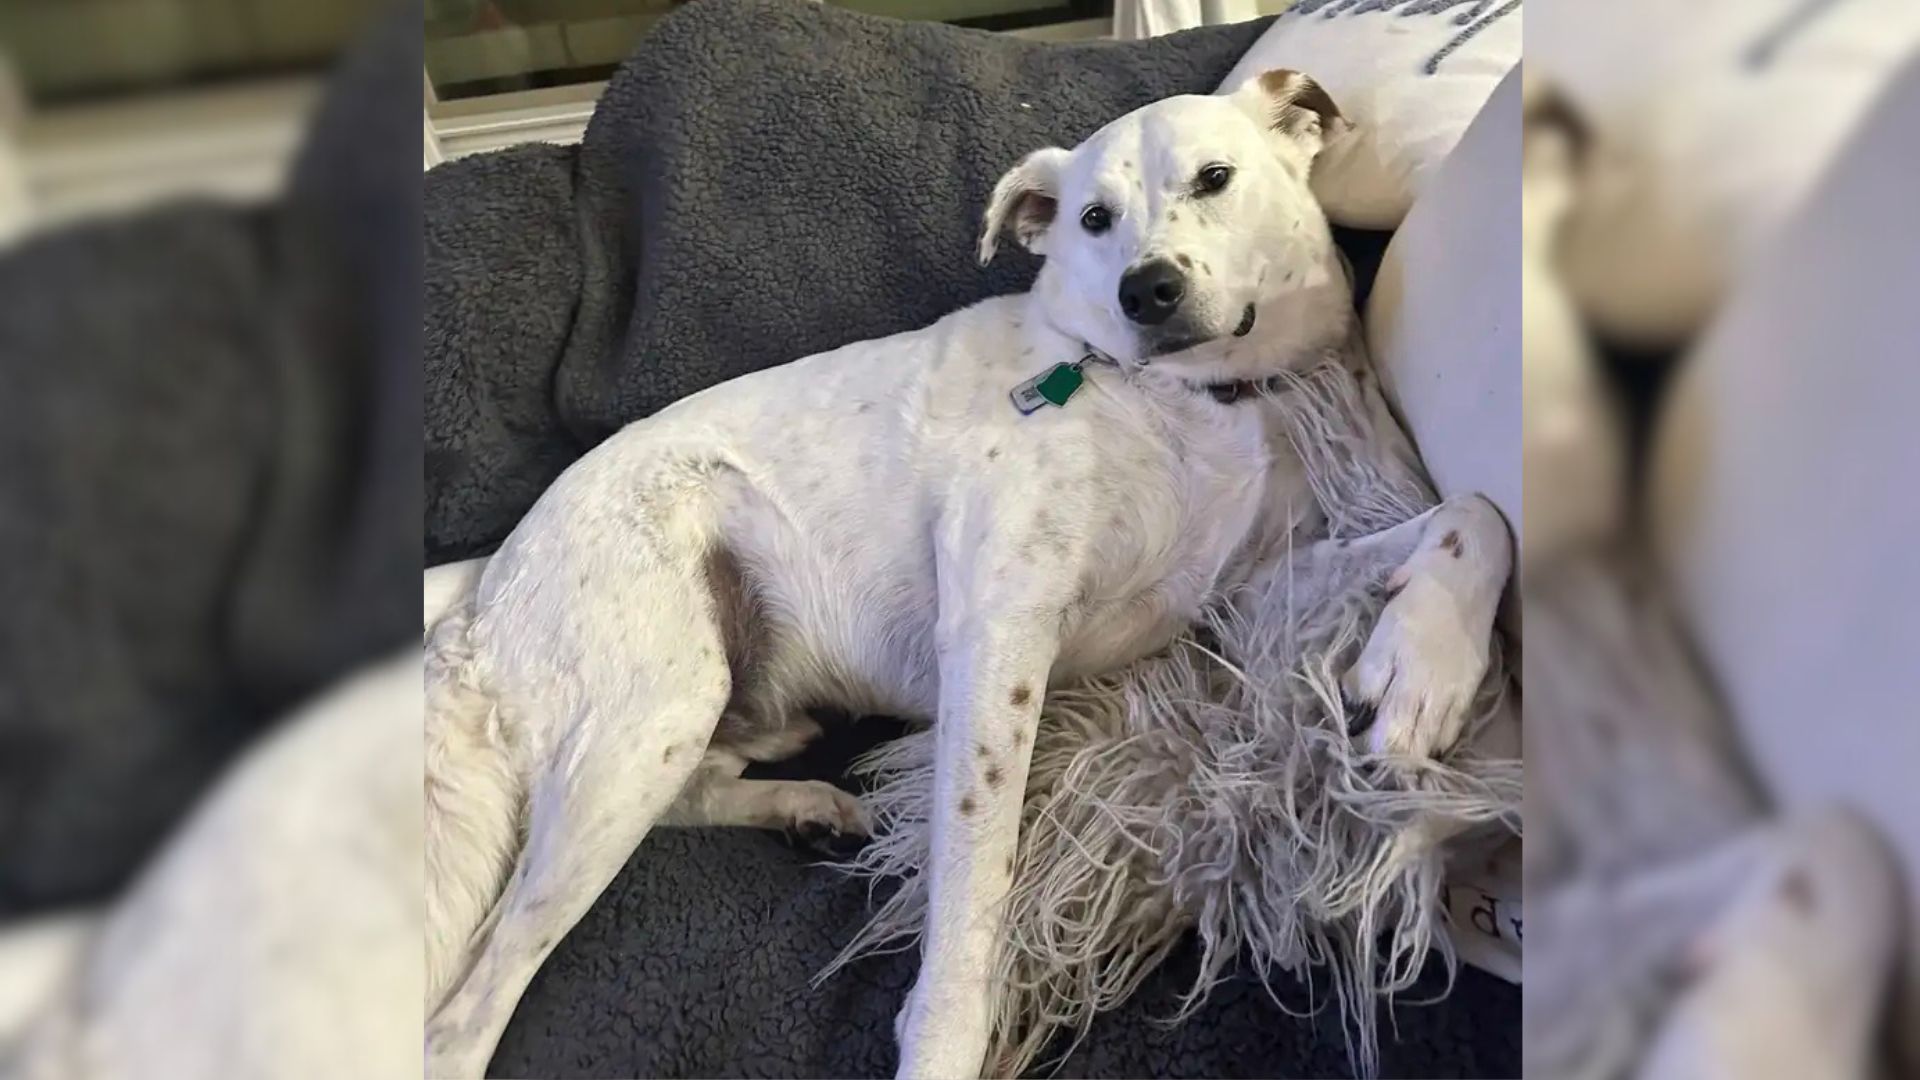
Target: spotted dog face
x=1169 y=229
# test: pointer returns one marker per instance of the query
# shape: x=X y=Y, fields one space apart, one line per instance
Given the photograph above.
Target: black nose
x=1151 y=292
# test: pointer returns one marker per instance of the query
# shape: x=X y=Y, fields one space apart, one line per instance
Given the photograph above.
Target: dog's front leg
x=993 y=674
x=1410 y=691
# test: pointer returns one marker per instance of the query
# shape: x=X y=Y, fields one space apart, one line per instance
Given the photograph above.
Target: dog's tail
x=474 y=792
x=447 y=585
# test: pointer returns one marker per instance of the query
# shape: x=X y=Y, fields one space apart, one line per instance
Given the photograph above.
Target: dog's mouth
x=1182 y=344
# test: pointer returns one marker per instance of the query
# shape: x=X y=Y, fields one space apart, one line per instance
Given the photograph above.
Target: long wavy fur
x=1212 y=788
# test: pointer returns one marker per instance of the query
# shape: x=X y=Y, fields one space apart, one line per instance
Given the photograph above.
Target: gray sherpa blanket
x=766 y=179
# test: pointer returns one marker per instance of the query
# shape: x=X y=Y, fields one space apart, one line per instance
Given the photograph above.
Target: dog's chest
x=1181 y=507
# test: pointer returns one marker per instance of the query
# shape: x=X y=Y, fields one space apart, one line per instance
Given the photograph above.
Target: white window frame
x=232 y=142
x=559 y=114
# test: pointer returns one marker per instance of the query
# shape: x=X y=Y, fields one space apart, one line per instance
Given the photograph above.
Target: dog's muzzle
x=1179 y=337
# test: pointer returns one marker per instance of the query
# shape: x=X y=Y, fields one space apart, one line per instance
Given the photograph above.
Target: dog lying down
x=944 y=524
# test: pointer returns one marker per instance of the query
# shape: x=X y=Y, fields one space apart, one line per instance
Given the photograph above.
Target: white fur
x=275 y=936
x=908 y=543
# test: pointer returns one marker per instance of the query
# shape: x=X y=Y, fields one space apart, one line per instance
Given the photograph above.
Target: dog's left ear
x=1023 y=202
x=1293 y=106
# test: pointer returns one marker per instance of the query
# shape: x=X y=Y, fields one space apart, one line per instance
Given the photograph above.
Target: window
x=501 y=72
x=108 y=105
x=476 y=48
x=88 y=51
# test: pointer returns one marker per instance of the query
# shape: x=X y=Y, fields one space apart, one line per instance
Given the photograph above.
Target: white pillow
x=1708 y=128
x=1410 y=75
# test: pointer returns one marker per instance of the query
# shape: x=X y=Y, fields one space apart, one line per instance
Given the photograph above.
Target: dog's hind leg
x=813 y=810
x=612 y=656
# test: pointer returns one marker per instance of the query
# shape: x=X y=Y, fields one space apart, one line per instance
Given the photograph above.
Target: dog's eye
x=1096 y=219
x=1213 y=178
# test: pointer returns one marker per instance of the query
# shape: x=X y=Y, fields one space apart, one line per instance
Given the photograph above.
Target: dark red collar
x=1226 y=393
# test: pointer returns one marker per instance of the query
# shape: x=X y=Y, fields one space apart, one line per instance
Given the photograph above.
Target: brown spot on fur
x=1173 y=215
x=1019 y=738
x=966 y=806
x=1275 y=81
x=1205 y=269
x=1294 y=94
x=993 y=452
x=1184 y=261
x=1686 y=969
x=1797 y=891
x=980 y=748
x=1451 y=542
x=667 y=755
x=993 y=776
x=1021 y=694
x=865 y=406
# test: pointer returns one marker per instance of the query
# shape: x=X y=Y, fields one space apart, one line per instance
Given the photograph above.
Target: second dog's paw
x=828 y=820
x=1409 y=692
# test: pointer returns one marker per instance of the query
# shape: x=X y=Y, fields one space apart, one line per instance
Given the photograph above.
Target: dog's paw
x=825 y=818
x=1410 y=691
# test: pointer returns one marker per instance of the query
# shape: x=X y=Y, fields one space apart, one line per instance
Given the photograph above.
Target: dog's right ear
x=1294 y=107
x=1024 y=202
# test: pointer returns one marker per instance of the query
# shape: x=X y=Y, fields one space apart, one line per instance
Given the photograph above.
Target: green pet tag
x=1051 y=387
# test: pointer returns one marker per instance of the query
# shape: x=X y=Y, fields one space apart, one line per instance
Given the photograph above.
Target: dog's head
x=1168 y=230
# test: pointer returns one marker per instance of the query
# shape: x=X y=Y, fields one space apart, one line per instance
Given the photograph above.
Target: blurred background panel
x=504 y=72
x=110 y=105
x=80 y=50
x=477 y=48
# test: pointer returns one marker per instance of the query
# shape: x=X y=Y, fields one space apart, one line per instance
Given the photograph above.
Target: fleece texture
x=764 y=180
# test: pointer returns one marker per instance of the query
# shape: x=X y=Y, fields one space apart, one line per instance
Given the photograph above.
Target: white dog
x=940 y=524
